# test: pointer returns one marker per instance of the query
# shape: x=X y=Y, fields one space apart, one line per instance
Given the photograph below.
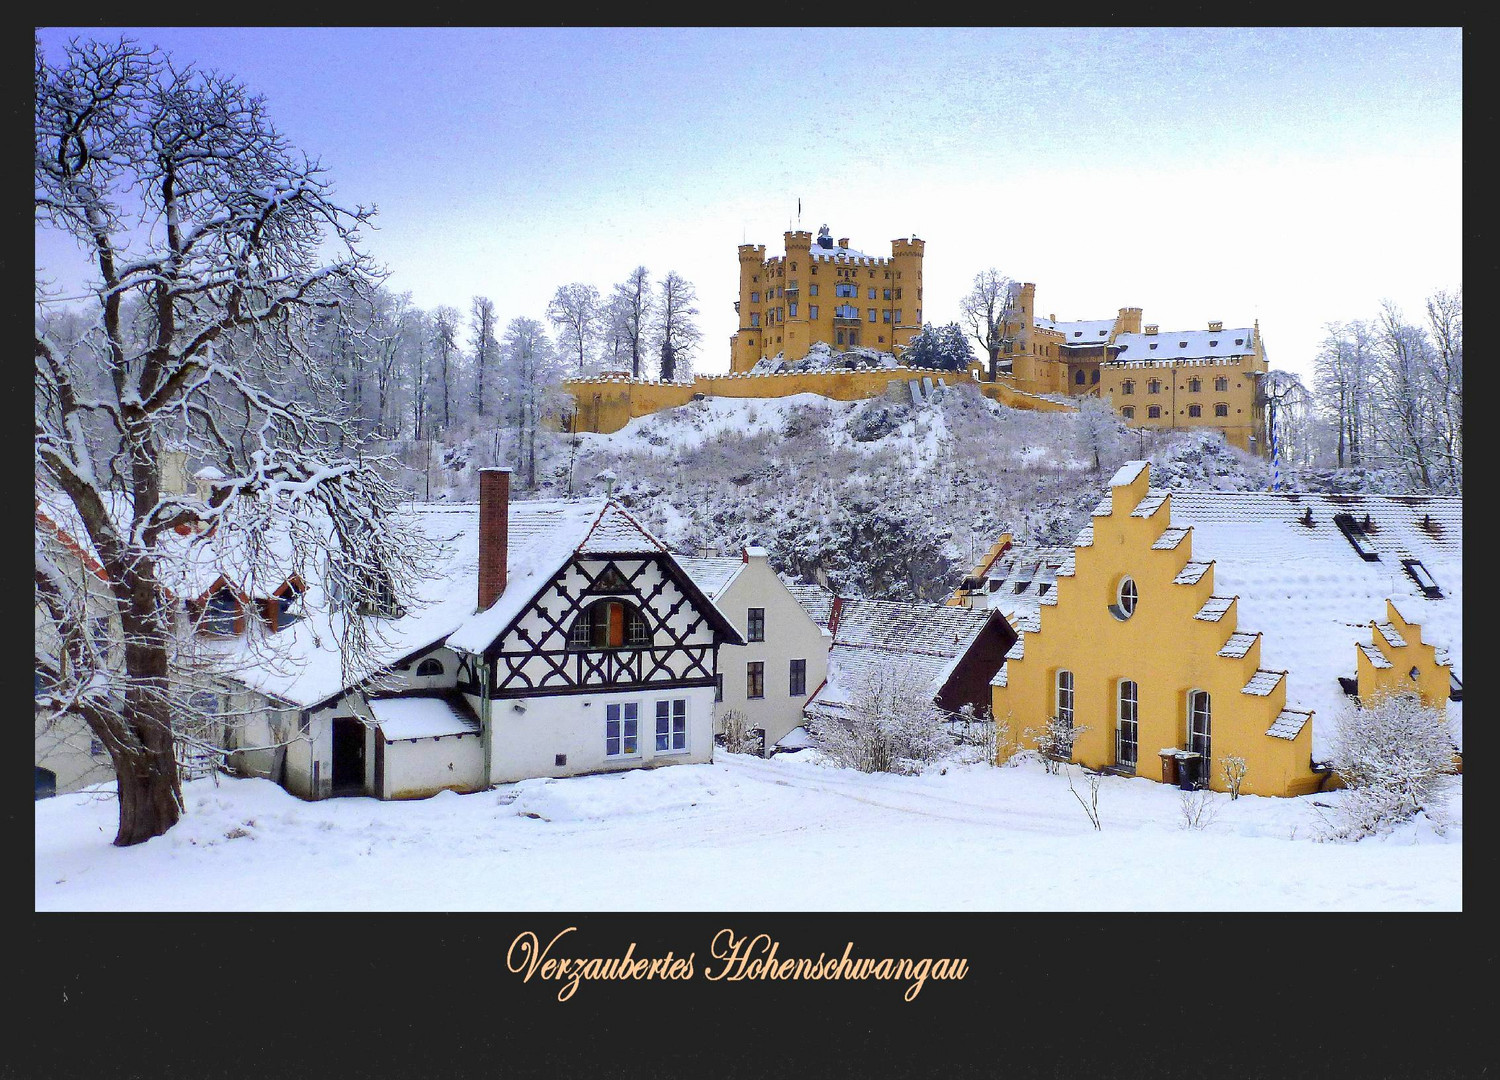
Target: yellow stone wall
x=608 y=404
x=1081 y=635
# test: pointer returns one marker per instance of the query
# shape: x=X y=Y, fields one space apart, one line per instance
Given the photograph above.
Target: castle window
x=841 y=337
x=898 y=291
x=791 y=309
x=1221 y=409
x=1125 y=599
x=1195 y=410
x=1153 y=386
x=872 y=314
x=1154 y=412
x=846 y=311
x=844 y=288
x=1128 y=386
x=755 y=318
x=1221 y=384
x=887 y=294
x=1182 y=344
x=1195 y=385
x=1128 y=412
x=812 y=310
x=1153 y=345
x=794 y=266
x=887 y=315
x=812 y=290
x=872 y=291
x=1094 y=376
x=1239 y=341
x=755 y=298
x=1078 y=377
x=1213 y=344
x=898 y=315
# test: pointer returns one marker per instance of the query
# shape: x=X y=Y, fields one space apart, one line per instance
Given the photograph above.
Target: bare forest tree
x=890 y=724
x=1445 y=327
x=486 y=348
x=990 y=313
x=677 y=332
x=1342 y=370
x=1288 y=415
x=533 y=377
x=444 y=326
x=631 y=311
x=576 y=313
x=1392 y=754
x=203 y=230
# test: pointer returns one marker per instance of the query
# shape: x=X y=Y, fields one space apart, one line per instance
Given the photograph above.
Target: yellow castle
x=821 y=290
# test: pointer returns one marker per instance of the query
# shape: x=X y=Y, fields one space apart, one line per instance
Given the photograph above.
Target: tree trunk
x=149 y=801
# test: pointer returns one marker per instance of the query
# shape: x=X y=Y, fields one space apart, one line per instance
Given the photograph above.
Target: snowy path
x=740 y=835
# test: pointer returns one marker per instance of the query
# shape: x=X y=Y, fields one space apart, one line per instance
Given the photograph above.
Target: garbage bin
x=1188 y=766
x=1168 y=767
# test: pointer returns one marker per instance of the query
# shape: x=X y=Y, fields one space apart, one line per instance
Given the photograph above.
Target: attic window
x=1213 y=344
x=1354 y=532
x=1414 y=673
x=1078 y=333
x=1425 y=581
x=1125 y=599
x=1153 y=345
x=1239 y=341
x=610 y=581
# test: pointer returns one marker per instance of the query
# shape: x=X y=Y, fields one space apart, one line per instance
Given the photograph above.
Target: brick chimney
x=494 y=533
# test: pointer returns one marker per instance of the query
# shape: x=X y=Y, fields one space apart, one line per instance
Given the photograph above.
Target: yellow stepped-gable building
x=1159 y=671
x=1212 y=378
x=825 y=291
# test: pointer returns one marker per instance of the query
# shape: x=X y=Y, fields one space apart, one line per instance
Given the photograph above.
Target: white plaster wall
x=525 y=744
x=790 y=634
x=416 y=768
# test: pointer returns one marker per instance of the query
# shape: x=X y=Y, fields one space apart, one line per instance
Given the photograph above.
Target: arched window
x=1065 y=697
x=429 y=667
x=1078 y=377
x=1094 y=376
x=1127 y=732
x=1195 y=410
x=1128 y=412
x=1154 y=412
x=609 y=624
x=1199 y=729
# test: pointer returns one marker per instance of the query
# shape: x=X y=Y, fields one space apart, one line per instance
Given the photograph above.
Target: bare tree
x=203 y=229
x=1091 y=804
x=533 y=379
x=889 y=724
x=1235 y=769
x=1392 y=754
x=677 y=333
x=989 y=310
x=1101 y=435
x=575 y=312
x=1054 y=741
x=1288 y=405
x=445 y=347
x=631 y=311
x=1445 y=327
x=482 y=310
x=1342 y=370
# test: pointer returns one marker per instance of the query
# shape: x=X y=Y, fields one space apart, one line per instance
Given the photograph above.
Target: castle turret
x=795 y=334
x=906 y=264
x=1128 y=321
x=746 y=344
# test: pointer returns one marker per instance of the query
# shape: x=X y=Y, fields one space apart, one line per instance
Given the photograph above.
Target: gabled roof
x=1185 y=345
x=712 y=574
x=544 y=536
x=815 y=600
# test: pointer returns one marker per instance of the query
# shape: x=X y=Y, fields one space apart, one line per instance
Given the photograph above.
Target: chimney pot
x=494 y=533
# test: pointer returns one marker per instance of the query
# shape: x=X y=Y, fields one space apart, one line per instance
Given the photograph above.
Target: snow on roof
x=1309 y=592
x=796 y=739
x=1078 y=332
x=929 y=629
x=422 y=717
x=1391 y=634
x=208 y=472
x=1191 y=573
x=1127 y=473
x=1185 y=344
x=1373 y=653
x=1170 y=538
x=815 y=600
x=755 y=551
x=544 y=535
x=1289 y=723
x=1149 y=505
x=1085 y=537
x=1238 y=645
x=1213 y=608
x=1262 y=683
x=712 y=575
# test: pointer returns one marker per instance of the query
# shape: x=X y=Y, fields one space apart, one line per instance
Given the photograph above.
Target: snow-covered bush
x=1198 y=808
x=1054 y=741
x=1392 y=755
x=1235 y=769
x=890 y=725
x=736 y=734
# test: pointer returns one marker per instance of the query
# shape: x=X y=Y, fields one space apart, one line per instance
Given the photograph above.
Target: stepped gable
x=1289 y=723
x=1192 y=573
x=1238 y=645
x=1262 y=682
x=1214 y=607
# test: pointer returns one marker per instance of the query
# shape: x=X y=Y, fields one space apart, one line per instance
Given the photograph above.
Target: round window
x=1125 y=597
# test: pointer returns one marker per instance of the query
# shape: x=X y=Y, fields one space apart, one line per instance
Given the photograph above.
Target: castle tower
x=795 y=330
x=906 y=265
x=746 y=345
x=1128 y=321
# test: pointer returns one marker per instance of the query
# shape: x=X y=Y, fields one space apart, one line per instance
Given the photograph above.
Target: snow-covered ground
x=743 y=834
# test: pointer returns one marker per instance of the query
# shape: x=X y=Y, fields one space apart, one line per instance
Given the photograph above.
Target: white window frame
x=1120 y=609
x=620 y=719
x=1206 y=741
x=674 y=712
x=1128 y=718
x=1062 y=698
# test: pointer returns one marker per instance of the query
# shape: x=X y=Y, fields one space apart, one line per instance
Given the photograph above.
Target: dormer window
x=1239 y=341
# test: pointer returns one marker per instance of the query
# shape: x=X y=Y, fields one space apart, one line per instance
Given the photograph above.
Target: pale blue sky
x=1293 y=175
